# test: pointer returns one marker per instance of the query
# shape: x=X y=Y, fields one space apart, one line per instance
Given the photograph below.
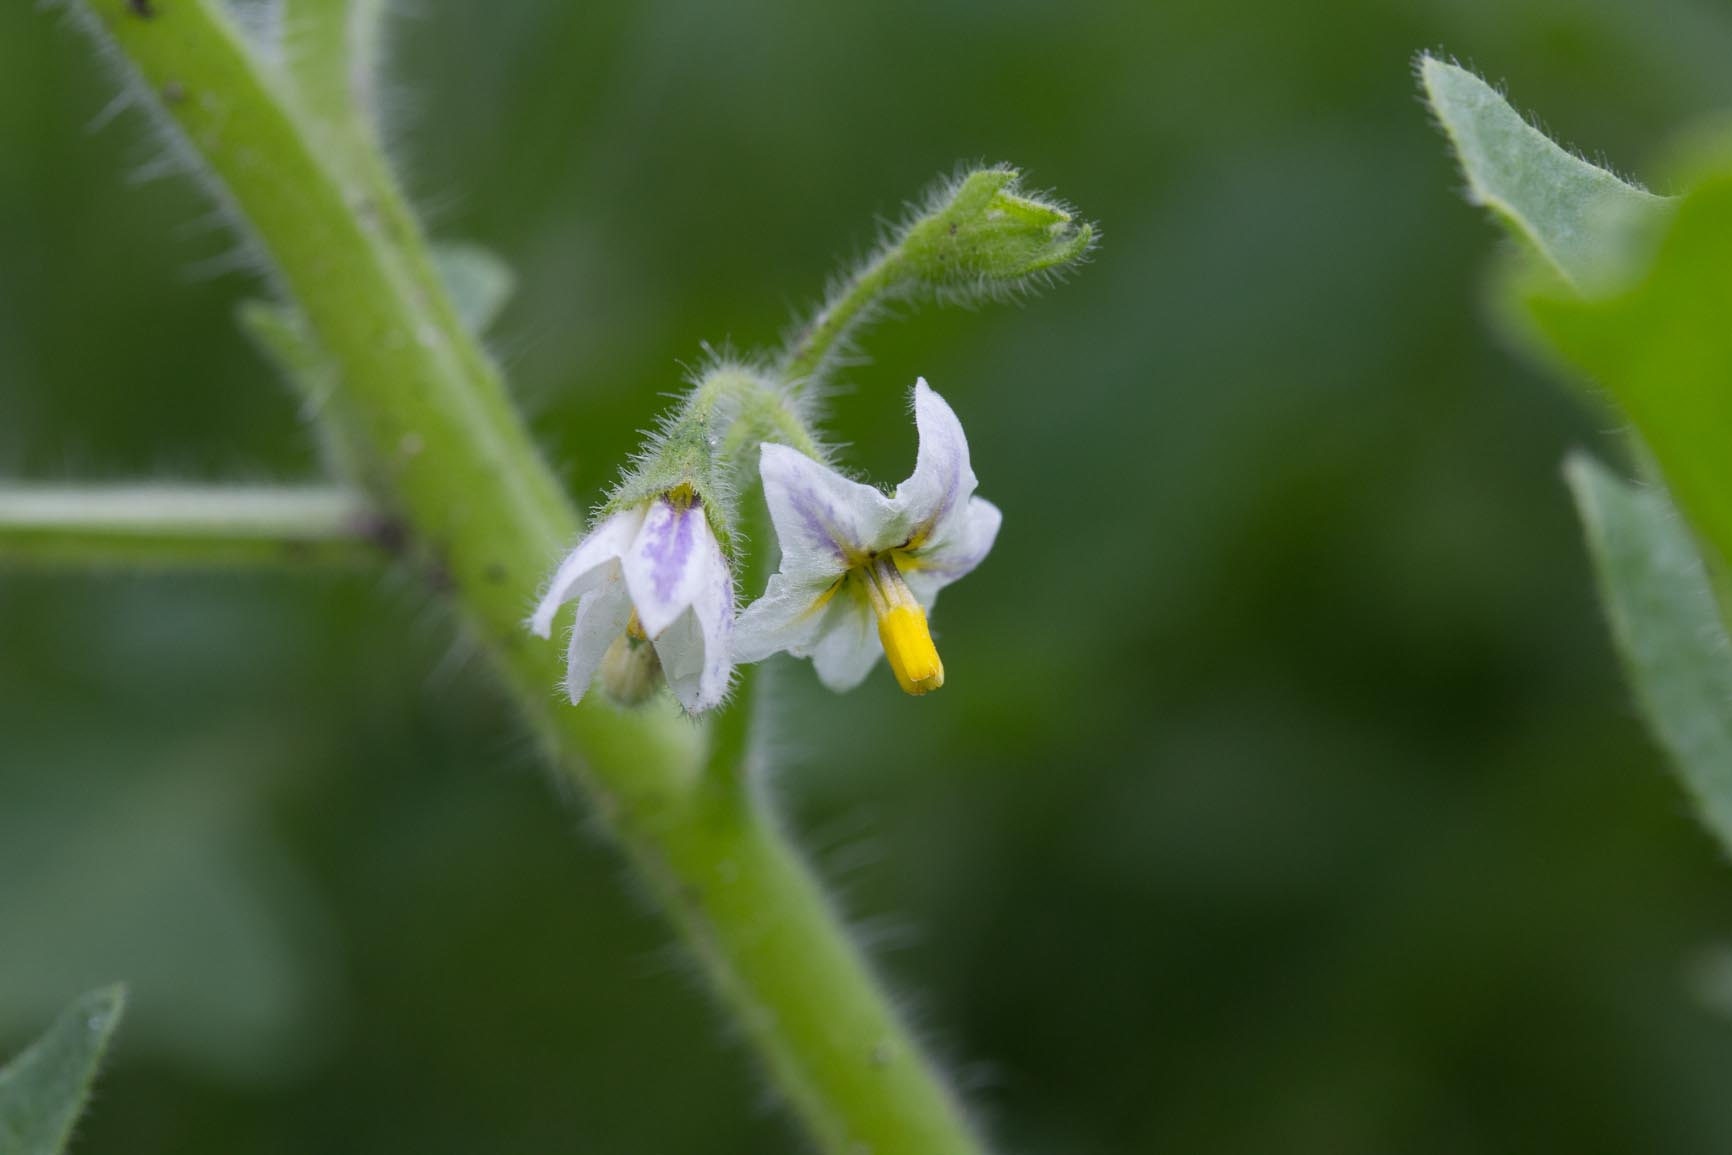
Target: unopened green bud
x=631 y=673
x=984 y=236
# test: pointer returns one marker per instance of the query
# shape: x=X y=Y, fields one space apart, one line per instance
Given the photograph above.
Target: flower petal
x=671 y=561
x=943 y=480
x=697 y=667
x=697 y=649
x=962 y=544
x=848 y=646
x=788 y=617
x=602 y=614
x=824 y=522
x=681 y=649
x=581 y=568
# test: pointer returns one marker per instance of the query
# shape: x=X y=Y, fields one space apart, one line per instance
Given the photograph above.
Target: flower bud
x=984 y=236
x=631 y=672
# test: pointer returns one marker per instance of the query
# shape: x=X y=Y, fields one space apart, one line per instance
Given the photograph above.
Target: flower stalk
x=978 y=238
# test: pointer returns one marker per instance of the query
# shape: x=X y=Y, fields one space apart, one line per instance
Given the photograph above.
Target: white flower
x=853 y=557
x=652 y=573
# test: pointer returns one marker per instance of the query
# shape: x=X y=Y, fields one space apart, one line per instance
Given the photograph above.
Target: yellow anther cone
x=908 y=646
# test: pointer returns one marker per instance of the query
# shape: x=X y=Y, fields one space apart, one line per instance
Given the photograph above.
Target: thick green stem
x=799 y=988
x=457 y=462
x=331 y=50
x=184 y=527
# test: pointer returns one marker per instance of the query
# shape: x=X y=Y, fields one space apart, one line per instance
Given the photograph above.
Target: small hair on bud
x=983 y=236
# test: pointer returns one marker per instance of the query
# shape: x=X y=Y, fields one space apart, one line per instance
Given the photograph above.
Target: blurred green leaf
x=282 y=337
x=43 y=1090
x=478 y=279
x=280 y=334
x=1581 y=218
x=1653 y=332
x=480 y=283
x=1663 y=615
x=164 y=870
x=1663 y=349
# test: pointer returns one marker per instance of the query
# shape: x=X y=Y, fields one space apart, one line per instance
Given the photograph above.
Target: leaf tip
x=102 y=1009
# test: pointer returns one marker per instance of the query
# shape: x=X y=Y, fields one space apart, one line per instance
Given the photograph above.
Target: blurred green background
x=1284 y=795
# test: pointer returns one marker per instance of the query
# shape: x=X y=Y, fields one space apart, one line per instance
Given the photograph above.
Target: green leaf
x=280 y=332
x=43 y=1090
x=1663 y=350
x=1649 y=285
x=163 y=867
x=281 y=335
x=1668 y=629
x=1584 y=220
x=480 y=284
x=478 y=279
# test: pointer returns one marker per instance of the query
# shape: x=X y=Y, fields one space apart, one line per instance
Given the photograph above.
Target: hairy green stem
x=191 y=527
x=460 y=468
x=737 y=732
x=759 y=410
x=979 y=237
x=850 y=306
x=801 y=990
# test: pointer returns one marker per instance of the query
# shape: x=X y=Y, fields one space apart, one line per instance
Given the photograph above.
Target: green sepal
x=687 y=452
x=983 y=236
x=709 y=444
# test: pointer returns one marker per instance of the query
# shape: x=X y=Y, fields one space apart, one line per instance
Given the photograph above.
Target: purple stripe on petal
x=818 y=517
x=969 y=539
x=669 y=546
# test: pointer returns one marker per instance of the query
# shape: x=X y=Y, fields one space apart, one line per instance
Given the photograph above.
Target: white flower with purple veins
x=861 y=568
x=651 y=587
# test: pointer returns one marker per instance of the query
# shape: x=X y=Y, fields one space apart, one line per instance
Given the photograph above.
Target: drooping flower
x=861 y=568
x=652 y=587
